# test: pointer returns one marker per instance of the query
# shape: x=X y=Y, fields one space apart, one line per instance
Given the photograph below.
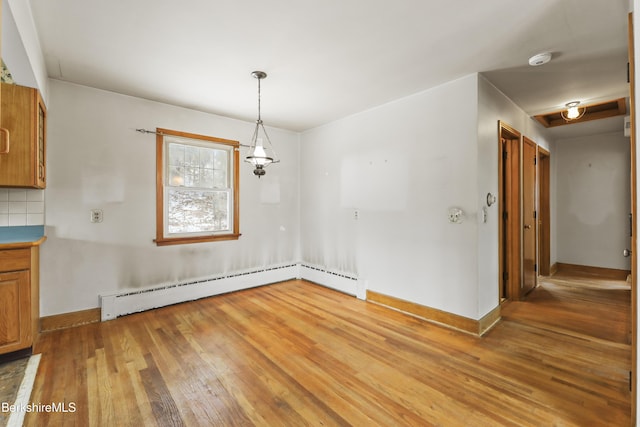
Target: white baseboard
x=342 y=282
x=136 y=300
x=130 y=301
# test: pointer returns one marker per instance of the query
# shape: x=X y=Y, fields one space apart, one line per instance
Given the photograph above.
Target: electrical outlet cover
x=456 y=215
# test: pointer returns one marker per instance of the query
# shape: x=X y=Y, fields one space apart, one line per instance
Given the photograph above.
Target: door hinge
x=505 y=215
x=535 y=214
x=505 y=276
x=535 y=268
x=535 y=161
x=504 y=154
x=630 y=381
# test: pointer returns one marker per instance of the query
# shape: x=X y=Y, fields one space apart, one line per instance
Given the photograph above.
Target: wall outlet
x=96 y=215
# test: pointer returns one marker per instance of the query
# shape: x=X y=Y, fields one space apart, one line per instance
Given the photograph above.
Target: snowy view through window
x=198 y=192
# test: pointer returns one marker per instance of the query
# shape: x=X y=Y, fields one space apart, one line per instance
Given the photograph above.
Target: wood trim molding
x=600 y=110
x=69 y=320
x=509 y=203
x=489 y=320
x=161 y=239
x=23 y=245
x=587 y=270
x=454 y=321
x=634 y=223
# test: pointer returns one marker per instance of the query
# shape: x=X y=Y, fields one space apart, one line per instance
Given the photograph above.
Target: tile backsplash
x=20 y=206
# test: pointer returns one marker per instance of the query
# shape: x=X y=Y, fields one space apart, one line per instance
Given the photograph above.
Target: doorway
x=509 y=208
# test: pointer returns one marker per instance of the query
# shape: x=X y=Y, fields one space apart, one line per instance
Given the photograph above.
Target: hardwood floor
x=296 y=353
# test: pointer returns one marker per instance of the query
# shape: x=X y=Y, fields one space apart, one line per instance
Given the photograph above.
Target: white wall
x=21 y=50
x=401 y=166
x=593 y=202
x=97 y=160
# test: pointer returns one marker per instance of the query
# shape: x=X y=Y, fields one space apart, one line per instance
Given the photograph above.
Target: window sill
x=199 y=239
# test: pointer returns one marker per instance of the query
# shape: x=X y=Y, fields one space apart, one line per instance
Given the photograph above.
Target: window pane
x=219 y=179
x=176 y=154
x=191 y=177
x=221 y=160
x=197 y=211
x=193 y=166
x=191 y=156
x=176 y=176
x=206 y=179
x=206 y=158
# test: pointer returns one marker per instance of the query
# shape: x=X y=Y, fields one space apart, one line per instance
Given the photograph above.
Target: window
x=196 y=188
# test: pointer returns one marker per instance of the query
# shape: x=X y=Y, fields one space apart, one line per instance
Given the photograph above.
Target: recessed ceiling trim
x=601 y=110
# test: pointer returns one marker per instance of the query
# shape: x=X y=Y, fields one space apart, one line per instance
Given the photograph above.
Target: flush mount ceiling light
x=591 y=111
x=261 y=153
x=540 y=59
x=572 y=112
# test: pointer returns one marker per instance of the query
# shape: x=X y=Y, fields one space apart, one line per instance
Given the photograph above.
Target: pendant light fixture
x=261 y=153
x=573 y=112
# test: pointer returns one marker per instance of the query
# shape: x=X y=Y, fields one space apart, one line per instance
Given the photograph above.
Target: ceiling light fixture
x=260 y=154
x=572 y=112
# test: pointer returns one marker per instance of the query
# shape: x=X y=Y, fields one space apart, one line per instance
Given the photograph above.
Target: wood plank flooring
x=295 y=353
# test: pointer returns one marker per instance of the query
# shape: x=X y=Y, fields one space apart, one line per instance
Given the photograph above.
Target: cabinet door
x=24 y=116
x=15 y=311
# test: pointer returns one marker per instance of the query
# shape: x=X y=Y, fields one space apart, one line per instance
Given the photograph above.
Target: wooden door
x=544 y=212
x=529 y=220
x=509 y=209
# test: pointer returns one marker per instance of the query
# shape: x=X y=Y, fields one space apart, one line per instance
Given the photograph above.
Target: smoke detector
x=540 y=59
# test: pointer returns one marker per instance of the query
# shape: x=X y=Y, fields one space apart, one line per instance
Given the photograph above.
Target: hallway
x=574 y=330
x=577 y=304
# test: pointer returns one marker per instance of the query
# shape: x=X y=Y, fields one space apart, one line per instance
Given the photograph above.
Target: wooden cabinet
x=24 y=115
x=19 y=296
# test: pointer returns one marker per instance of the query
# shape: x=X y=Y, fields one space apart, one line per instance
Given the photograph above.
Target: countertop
x=21 y=237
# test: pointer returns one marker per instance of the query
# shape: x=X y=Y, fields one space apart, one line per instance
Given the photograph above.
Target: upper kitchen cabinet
x=24 y=115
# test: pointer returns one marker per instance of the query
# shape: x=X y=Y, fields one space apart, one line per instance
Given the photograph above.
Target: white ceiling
x=328 y=59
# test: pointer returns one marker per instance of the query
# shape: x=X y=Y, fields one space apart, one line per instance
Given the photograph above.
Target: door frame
x=529 y=219
x=634 y=227
x=509 y=208
x=544 y=212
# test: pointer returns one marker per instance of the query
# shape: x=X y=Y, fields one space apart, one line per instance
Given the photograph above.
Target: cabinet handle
x=5 y=132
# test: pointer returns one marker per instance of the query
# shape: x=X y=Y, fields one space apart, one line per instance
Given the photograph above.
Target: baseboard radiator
x=343 y=282
x=136 y=300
